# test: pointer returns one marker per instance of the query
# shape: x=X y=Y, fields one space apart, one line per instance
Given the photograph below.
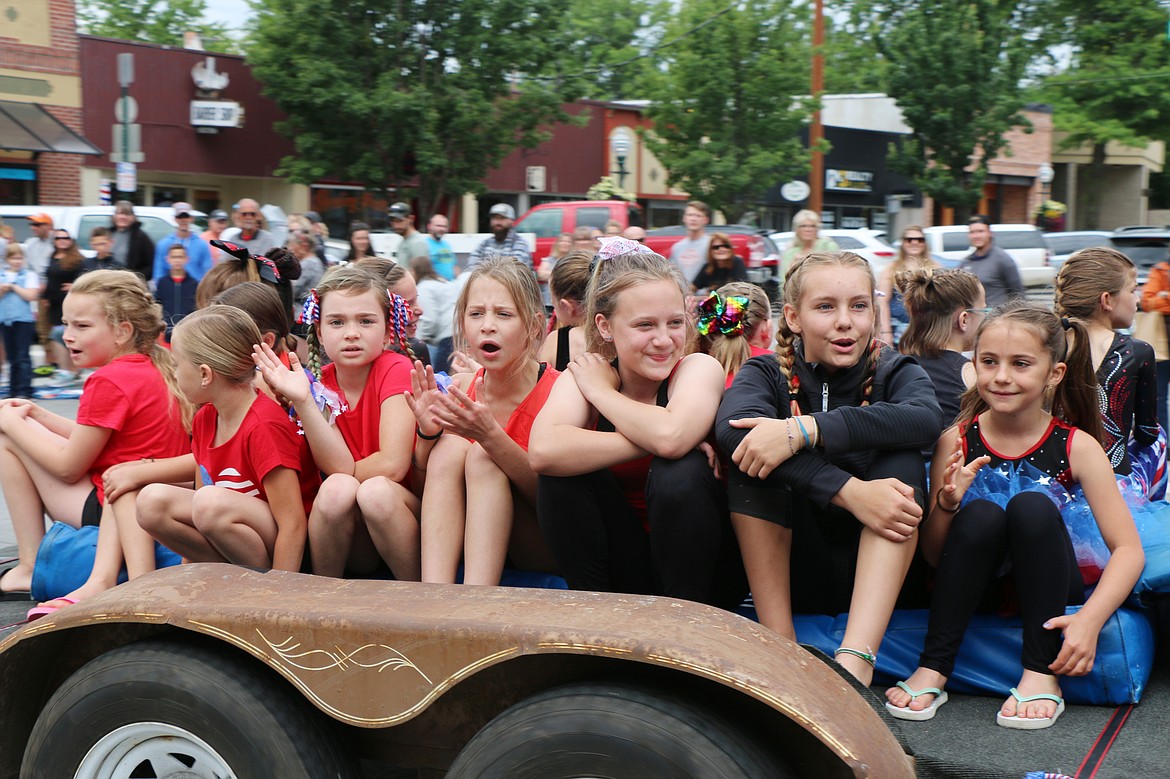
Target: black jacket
x=140 y=256
x=903 y=414
x=177 y=300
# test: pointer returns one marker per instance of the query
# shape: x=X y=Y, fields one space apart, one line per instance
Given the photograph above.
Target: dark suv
x=1146 y=246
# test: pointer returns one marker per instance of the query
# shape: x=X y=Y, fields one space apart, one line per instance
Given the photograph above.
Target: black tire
x=180 y=708
x=612 y=731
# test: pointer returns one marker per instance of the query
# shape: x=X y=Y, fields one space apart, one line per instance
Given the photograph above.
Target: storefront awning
x=28 y=127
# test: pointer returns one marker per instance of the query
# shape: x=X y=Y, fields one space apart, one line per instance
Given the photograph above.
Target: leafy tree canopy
x=955 y=69
x=612 y=43
x=153 y=21
x=726 y=123
x=379 y=91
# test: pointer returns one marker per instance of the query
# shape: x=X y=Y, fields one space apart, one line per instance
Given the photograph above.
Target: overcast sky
x=230 y=12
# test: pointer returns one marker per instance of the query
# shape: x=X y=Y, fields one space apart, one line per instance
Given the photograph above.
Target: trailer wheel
x=613 y=731
x=162 y=709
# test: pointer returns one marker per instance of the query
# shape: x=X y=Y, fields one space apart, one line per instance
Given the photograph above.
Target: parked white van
x=1023 y=242
x=158 y=222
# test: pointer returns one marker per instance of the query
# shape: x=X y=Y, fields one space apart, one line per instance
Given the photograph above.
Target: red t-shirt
x=265 y=440
x=359 y=421
x=519 y=426
x=130 y=397
x=755 y=351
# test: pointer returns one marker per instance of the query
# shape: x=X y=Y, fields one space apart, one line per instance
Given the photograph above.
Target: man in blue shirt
x=442 y=255
x=198 y=251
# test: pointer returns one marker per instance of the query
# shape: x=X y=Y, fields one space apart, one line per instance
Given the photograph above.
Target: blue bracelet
x=803 y=432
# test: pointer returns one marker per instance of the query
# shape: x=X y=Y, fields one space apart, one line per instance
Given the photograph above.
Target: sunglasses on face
x=720 y=246
x=983 y=311
x=249 y=213
x=914 y=239
x=62 y=238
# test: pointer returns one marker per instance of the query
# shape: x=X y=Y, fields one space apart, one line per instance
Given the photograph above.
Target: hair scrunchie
x=1066 y=323
x=725 y=315
x=310 y=309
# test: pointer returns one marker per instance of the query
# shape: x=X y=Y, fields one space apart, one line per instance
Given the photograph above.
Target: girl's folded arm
x=909 y=417
x=561 y=443
x=68 y=460
x=695 y=391
x=328 y=446
x=283 y=487
x=395 y=443
x=54 y=423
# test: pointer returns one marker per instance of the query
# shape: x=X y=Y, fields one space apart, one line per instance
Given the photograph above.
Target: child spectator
x=102 y=243
x=945 y=307
x=256 y=478
x=479 y=501
x=827 y=435
x=735 y=324
x=1098 y=286
x=627 y=502
x=1025 y=363
x=175 y=291
x=130 y=410
x=365 y=512
x=401 y=283
x=566 y=335
x=436 y=300
x=19 y=290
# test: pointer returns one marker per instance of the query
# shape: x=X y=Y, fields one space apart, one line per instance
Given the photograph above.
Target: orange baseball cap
x=41 y=218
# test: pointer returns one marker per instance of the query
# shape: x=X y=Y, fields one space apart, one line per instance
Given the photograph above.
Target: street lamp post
x=620 y=145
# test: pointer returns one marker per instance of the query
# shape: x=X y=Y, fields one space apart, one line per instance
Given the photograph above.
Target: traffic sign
x=127 y=176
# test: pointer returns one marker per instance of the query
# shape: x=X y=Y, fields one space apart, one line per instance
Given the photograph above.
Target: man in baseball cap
x=198 y=251
x=414 y=243
x=38 y=248
x=504 y=240
x=217 y=222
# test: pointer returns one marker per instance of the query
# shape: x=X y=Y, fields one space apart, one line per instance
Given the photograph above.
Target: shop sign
x=841 y=180
x=216 y=113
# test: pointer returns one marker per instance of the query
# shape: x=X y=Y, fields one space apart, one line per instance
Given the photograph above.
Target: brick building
x=41 y=145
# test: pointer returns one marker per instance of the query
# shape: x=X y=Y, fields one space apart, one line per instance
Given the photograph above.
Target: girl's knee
x=337 y=495
x=978 y=520
x=151 y=506
x=1033 y=515
x=378 y=495
x=480 y=465
x=209 y=508
x=680 y=477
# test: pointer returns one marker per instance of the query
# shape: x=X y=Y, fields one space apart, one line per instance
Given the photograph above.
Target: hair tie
x=615 y=246
x=399 y=316
x=726 y=315
x=311 y=309
x=266 y=268
x=1066 y=323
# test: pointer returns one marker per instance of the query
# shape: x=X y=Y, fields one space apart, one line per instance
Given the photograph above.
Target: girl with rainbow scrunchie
x=354 y=415
x=734 y=324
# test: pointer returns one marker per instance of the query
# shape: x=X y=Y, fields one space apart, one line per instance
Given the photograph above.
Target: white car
x=873 y=245
x=1023 y=242
x=157 y=221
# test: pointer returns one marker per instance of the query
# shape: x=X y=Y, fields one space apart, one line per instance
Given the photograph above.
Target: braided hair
x=794 y=282
x=352 y=279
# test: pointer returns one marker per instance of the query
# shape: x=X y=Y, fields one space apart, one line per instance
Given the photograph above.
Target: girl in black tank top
x=1021 y=361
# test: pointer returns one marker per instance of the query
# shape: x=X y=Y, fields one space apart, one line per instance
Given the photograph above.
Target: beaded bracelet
x=791 y=437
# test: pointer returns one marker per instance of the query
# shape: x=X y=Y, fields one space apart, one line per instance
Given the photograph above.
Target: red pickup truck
x=549 y=220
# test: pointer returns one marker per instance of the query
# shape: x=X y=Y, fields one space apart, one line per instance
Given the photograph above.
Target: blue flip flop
x=1030 y=723
x=907 y=713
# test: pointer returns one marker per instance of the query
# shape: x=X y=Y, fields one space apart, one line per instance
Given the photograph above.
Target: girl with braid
x=472 y=447
x=1098 y=287
x=365 y=512
x=735 y=324
x=826 y=436
x=1027 y=434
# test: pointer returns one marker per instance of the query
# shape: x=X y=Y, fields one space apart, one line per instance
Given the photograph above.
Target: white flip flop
x=1031 y=723
x=918 y=715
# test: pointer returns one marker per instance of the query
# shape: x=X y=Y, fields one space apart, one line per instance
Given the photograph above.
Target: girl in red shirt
x=130 y=410
x=499 y=322
x=735 y=324
x=365 y=512
x=255 y=479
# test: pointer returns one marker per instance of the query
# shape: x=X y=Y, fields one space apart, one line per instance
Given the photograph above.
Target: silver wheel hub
x=152 y=749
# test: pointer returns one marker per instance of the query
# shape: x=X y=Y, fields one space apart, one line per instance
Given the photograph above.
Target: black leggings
x=1030 y=534
x=599 y=543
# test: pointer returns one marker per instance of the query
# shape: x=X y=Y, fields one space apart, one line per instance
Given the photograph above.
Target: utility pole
x=816 y=174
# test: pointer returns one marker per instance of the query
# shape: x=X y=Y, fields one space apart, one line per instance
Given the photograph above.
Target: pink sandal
x=44 y=609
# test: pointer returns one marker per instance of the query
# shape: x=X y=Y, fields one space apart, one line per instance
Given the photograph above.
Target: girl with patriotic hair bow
x=627 y=500
x=479 y=501
x=735 y=324
x=828 y=485
x=365 y=512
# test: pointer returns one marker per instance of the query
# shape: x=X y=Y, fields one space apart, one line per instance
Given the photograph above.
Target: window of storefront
x=18 y=185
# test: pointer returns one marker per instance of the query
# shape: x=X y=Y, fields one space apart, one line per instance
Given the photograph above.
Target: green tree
x=153 y=21
x=612 y=43
x=955 y=69
x=726 y=126
x=431 y=93
x=1114 y=88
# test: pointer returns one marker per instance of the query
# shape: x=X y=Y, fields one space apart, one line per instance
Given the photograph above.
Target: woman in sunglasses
x=912 y=255
x=723 y=265
x=65 y=265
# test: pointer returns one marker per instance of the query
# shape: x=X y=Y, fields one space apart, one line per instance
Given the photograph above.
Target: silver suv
x=1023 y=242
x=157 y=222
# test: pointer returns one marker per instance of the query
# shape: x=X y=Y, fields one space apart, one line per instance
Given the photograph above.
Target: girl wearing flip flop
x=828 y=487
x=1027 y=360
x=130 y=410
x=365 y=512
